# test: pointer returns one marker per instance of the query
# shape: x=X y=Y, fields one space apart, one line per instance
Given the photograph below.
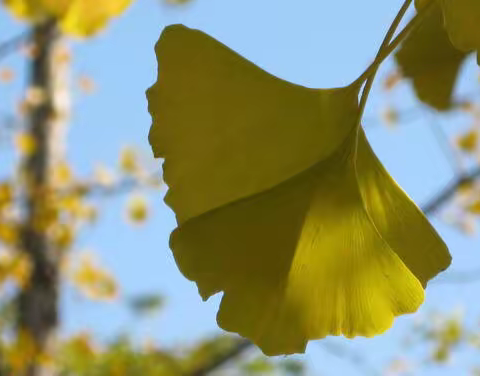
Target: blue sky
x=310 y=42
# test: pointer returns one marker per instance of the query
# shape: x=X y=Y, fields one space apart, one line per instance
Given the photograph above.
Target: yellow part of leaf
x=224 y=125
x=431 y=62
x=280 y=201
x=328 y=252
x=80 y=18
x=26 y=9
x=461 y=21
x=86 y=17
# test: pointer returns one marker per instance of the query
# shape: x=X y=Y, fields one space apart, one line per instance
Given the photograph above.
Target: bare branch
x=444 y=195
x=13 y=44
x=220 y=361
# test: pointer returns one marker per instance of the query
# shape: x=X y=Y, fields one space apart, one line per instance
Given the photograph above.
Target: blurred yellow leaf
x=46 y=215
x=21 y=269
x=103 y=176
x=475 y=207
x=80 y=349
x=86 y=84
x=128 y=161
x=35 y=96
x=21 y=353
x=62 y=236
x=25 y=143
x=390 y=116
x=280 y=201
x=74 y=205
x=392 y=79
x=469 y=141
x=441 y=354
x=428 y=58
x=137 y=209
x=62 y=174
x=15 y=266
x=93 y=281
x=8 y=233
x=76 y=17
x=6 y=194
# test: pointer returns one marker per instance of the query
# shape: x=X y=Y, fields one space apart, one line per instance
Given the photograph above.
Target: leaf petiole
x=387 y=48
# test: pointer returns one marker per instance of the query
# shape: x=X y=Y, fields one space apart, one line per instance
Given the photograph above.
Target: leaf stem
x=413 y=24
x=381 y=55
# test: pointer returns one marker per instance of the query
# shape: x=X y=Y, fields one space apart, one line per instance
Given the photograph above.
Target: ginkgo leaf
x=468 y=142
x=85 y=17
x=428 y=58
x=76 y=17
x=280 y=201
x=461 y=21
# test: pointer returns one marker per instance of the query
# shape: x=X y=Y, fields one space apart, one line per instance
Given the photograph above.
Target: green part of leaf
x=224 y=125
x=428 y=58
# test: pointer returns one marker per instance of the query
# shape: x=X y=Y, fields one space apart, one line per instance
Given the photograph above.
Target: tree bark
x=38 y=301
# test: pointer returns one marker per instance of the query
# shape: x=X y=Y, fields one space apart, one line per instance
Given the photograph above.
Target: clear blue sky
x=310 y=42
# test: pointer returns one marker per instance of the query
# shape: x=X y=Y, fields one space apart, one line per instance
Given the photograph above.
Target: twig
x=450 y=154
x=450 y=190
x=14 y=43
x=223 y=359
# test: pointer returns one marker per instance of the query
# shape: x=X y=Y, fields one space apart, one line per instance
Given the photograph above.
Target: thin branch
x=443 y=142
x=223 y=359
x=13 y=44
x=443 y=196
x=123 y=186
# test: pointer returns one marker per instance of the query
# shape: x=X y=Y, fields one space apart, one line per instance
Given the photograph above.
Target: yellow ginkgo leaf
x=85 y=17
x=137 y=209
x=461 y=21
x=280 y=201
x=468 y=142
x=475 y=207
x=27 y=9
x=94 y=281
x=76 y=17
x=428 y=58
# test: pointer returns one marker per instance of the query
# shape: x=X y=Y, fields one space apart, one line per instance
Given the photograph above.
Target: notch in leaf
x=280 y=201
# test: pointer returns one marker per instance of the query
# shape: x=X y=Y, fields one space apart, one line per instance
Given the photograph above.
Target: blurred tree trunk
x=38 y=301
